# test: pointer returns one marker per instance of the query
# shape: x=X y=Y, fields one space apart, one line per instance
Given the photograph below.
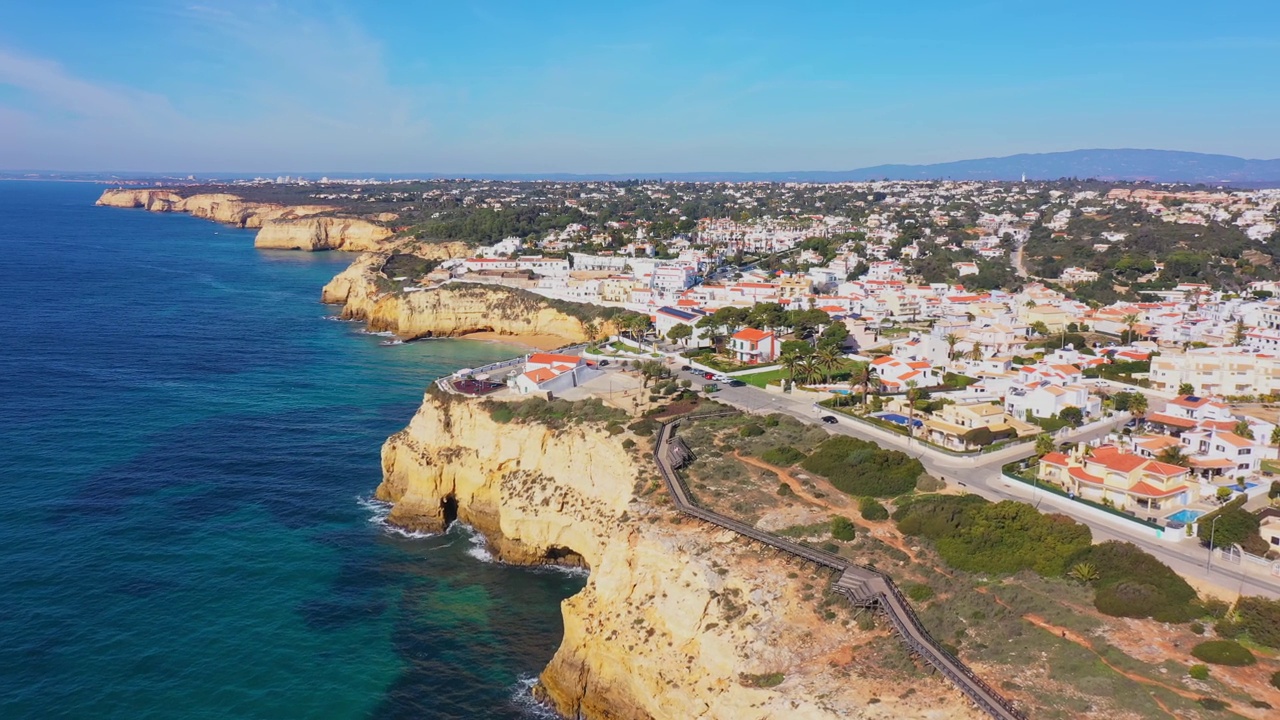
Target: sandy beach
x=536 y=342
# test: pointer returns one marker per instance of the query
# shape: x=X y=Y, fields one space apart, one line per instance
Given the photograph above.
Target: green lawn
x=761 y=379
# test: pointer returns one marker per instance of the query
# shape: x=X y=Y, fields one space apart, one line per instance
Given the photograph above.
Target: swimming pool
x=1185 y=517
x=900 y=419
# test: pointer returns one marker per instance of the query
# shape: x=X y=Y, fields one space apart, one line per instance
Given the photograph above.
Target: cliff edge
x=286 y=227
x=677 y=619
x=449 y=310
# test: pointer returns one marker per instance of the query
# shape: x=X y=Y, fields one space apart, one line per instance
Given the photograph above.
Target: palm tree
x=808 y=369
x=828 y=358
x=1129 y=321
x=913 y=394
x=863 y=375
x=1173 y=455
x=791 y=362
x=1083 y=572
x=975 y=353
x=951 y=339
x=1275 y=436
x=1044 y=444
x=1138 y=406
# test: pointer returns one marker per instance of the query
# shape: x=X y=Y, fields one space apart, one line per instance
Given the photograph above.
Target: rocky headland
x=450 y=309
x=284 y=227
x=677 y=620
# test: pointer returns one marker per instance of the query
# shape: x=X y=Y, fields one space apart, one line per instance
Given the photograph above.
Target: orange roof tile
x=1079 y=473
x=1055 y=458
x=1163 y=419
x=1114 y=459
x=752 y=335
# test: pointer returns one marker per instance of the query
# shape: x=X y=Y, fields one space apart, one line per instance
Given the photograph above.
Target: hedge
x=1223 y=652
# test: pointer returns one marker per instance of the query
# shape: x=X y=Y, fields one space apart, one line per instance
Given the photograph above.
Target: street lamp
x=1212 y=526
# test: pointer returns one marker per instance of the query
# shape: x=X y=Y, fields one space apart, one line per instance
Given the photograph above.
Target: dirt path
x=796 y=486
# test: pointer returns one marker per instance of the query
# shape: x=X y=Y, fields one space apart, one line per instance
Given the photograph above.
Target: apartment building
x=1218 y=371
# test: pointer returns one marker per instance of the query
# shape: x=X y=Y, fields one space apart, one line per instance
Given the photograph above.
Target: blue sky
x=152 y=85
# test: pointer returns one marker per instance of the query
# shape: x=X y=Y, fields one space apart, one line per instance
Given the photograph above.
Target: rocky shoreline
x=675 y=617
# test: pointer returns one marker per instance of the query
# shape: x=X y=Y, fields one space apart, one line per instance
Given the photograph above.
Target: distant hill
x=1152 y=165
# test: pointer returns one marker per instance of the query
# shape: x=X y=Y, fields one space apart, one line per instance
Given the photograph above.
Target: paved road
x=982 y=476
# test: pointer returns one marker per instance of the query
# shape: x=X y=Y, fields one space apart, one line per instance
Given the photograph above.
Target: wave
x=339 y=318
x=524 y=701
x=569 y=570
x=383 y=333
x=389 y=343
x=479 y=546
x=380 y=510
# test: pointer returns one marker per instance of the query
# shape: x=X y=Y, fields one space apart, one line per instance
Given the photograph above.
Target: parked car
x=685 y=368
x=604 y=363
x=709 y=376
x=736 y=383
x=829 y=419
x=721 y=377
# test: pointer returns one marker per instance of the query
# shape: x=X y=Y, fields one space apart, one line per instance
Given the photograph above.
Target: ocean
x=188 y=450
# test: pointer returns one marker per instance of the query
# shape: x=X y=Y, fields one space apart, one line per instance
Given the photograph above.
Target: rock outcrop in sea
x=677 y=620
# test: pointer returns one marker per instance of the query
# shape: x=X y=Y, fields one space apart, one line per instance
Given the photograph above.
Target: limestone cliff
x=322 y=233
x=675 y=616
x=449 y=310
x=289 y=227
x=219 y=207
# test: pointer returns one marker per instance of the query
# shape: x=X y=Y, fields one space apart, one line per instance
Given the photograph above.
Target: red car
x=709 y=376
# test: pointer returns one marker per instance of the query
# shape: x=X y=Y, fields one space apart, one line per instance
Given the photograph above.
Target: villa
x=1124 y=480
x=753 y=346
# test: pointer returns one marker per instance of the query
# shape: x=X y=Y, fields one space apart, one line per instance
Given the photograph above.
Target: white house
x=665 y=318
x=552 y=372
x=754 y=346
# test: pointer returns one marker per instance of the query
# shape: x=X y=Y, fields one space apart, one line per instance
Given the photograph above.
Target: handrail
x=885 y=592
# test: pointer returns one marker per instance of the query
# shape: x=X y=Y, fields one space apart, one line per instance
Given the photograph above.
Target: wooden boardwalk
x=862 y=586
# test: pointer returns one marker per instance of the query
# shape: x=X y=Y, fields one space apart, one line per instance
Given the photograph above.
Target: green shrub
x=783 y=456
x=643 y=427
x=872 y=510
x=613 y=428
x=842 y=528
x=1004 y=538
x=784 y=490
x=1260 y=618
x=1197 y=628
x=1227 y=629
x=766 y=680
x=1199 y=672
x=919 y=592
x=554 y=414
x=929 y=483
x=1223 y=652
x=858 y=467
x=1209 y=703
x=1275 y=679
x=750 y=430
x=1132 y=583
x=628 y=444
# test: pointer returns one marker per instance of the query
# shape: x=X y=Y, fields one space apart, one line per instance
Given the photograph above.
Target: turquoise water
x=1185 y=516
x=187 y=449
